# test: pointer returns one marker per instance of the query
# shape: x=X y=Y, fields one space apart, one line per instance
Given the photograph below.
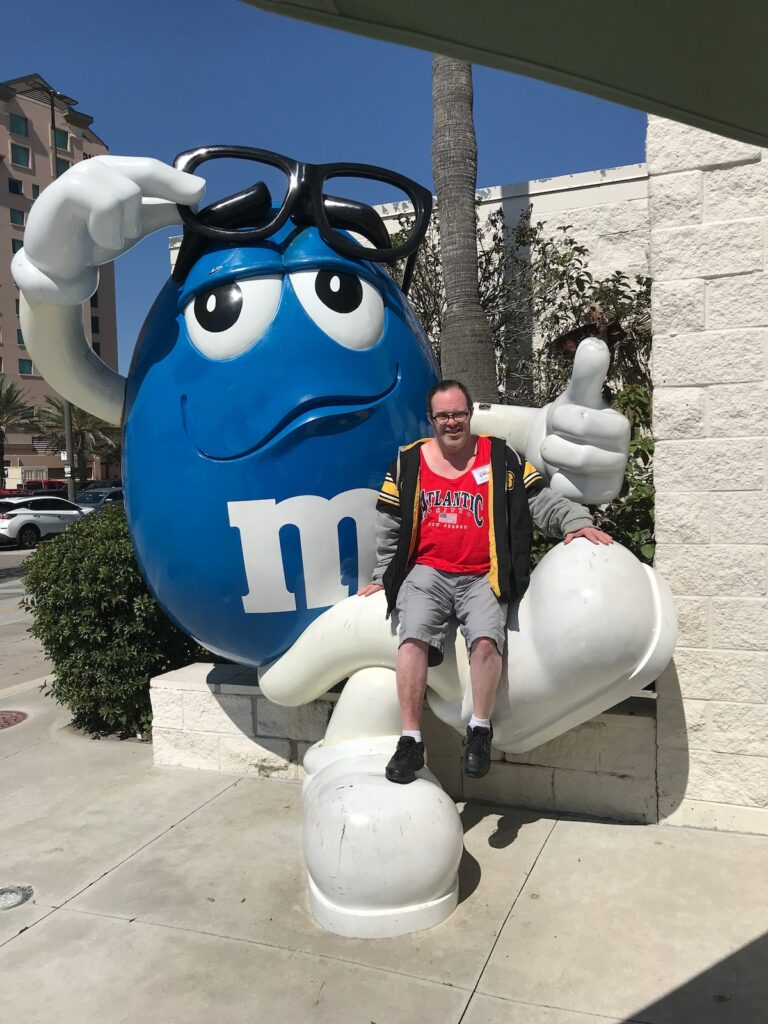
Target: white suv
x=24 y=521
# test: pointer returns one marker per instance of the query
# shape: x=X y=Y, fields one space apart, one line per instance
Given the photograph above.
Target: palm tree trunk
x=466 y=347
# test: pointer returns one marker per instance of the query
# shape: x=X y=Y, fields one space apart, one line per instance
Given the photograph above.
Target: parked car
x=100 y=485
x=36 y=486
x=97 y=497
x=25 y=521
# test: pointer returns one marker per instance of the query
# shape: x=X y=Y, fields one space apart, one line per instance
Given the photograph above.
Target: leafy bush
x=100 y=627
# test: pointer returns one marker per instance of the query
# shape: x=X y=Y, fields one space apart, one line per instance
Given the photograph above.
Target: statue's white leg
x=382 y=858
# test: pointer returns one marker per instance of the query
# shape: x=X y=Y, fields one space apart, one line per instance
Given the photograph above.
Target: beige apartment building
x=41 y=135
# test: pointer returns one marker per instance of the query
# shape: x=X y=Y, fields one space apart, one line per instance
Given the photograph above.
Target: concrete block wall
x=607 y=211
x=214 y=718
x=605 y=768
x=708 y=204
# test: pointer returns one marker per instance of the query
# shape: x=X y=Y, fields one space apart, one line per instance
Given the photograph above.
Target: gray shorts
x=429 y=598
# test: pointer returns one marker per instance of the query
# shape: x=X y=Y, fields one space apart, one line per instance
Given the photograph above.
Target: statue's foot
x=382 y=859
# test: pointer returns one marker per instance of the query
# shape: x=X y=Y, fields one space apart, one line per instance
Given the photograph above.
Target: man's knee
x=412 y=648
x=484 y=647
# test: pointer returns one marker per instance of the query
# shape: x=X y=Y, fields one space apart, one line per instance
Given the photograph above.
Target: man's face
x=451 y=434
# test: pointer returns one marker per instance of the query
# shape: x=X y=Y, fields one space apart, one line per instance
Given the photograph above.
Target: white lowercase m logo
x=317 y=520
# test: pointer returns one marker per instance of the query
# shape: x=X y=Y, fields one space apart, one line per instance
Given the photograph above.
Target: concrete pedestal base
x=214 y=717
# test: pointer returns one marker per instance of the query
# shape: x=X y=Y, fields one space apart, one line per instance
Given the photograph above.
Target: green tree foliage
x=99 y=626
x=14 y=412
x=91 y=436
x=535 y=288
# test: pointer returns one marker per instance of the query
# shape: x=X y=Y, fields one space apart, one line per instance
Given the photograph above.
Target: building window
x=1 y=364
x=19 y=336
x=17 y=218
x=16 y=244
x=26 y=369
x=95 y=300
x=61 y=166
x=60 y=138
x=20 y=155
x=35 y=191
x=19 y=125
x=17 y=306
x=97 y=347
x=95 y=325
x=16 y=186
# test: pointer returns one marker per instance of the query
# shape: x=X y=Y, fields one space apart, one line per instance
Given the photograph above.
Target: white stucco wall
x=607 y=211
x=709 y=212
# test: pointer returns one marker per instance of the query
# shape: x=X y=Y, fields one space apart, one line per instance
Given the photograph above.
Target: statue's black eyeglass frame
x=305 y=183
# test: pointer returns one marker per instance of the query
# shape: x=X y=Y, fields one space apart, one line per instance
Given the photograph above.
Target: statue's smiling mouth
x=325 y=414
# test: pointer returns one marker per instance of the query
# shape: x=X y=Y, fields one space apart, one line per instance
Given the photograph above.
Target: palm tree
x=466 y=347
x=14 y=411
x=90 y=435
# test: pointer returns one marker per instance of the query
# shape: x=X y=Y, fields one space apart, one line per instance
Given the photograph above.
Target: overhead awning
x=696 y=61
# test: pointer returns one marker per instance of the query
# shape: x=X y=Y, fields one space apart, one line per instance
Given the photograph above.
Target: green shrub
x=101 y=629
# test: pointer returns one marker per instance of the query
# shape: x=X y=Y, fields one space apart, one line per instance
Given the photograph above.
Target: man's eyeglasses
x=307 y=191
x=443 y=417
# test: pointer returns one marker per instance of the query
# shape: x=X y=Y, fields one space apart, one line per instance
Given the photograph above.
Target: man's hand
x=372 y=588
x=591 y=533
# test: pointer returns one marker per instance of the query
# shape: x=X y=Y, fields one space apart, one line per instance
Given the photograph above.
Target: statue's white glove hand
x=577 y=442
x=93 y=213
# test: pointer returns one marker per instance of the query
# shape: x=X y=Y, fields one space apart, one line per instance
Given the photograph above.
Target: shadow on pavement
x=733 y=991
x=14 y=572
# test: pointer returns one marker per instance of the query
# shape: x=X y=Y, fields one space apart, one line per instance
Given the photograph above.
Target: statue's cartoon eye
x=228 y=319
x=345 y=306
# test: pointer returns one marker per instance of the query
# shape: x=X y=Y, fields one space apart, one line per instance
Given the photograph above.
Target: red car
x=36 y=486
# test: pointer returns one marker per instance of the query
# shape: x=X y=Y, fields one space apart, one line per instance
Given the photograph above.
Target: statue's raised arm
x=96 y=211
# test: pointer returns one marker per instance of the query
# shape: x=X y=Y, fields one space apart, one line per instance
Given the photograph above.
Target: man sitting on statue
x=453 y=536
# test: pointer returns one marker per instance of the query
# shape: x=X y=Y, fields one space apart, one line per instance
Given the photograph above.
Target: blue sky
x=166 y=76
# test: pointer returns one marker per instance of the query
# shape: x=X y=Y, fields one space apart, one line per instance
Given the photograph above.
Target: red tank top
x=453 y=529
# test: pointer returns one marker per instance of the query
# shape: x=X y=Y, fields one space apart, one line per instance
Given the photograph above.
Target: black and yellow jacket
x=517 y=497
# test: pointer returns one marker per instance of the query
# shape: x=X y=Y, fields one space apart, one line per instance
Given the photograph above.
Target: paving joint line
x=28 y=927
x=270 y=945
x=504 y=922
x=63 y=906
x=13 y=753
x=548 y=1006
x=568 y=1009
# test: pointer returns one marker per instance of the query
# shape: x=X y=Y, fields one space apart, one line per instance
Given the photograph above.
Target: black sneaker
x=477 y=759
x=406 y=760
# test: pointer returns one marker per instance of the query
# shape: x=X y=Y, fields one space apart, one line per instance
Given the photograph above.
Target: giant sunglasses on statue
x=306 y=200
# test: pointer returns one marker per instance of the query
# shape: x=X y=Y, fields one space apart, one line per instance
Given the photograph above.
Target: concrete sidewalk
x=177 y=896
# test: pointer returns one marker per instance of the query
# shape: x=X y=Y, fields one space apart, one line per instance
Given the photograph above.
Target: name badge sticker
x=482 y=474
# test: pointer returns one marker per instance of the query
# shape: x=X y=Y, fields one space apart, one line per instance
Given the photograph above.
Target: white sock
x=483 y=723
x=415 y=733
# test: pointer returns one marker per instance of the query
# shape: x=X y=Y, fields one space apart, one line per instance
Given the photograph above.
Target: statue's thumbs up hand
x=579 y=443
